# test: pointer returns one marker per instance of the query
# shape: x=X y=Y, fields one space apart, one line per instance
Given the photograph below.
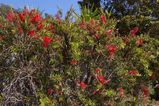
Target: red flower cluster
x=39 y=26
x=22 y=16
x=50 y=91
x=145 y=91
x=31 y=33
x=83 y=24
x=101 y=79
x=10 y=16
x=98 y=70
x=111 y=49
x=73 y=62
x=103 y=20
x=92 y=22
x=110 y=32
x=36 y=18
x=46 y=41
x=133 y=72
x=82 y=85
x=97 y=36
x=121 y=92
x=139 y=42
x=134 y=31
x=20 y=30
x=96 y=91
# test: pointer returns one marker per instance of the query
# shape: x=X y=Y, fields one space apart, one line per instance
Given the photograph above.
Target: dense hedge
x=74 y=61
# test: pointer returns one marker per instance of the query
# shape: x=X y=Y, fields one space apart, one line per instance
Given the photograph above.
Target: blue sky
x=47 y=6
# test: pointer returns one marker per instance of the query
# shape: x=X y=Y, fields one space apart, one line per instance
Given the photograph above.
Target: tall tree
x=120 y=8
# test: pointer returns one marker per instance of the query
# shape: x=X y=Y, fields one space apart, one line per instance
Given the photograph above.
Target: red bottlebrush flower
x=50 y=91
x=73 y=62
x=82 y=85
x=31 y=33
x=96 y=91
x=121 y=92
x=36 y=18
x=139 y=42
x=46 y=41
x=103 y=20
x=134 y=31
x=120 y=89
x=10 y=16
x=111 y=49
x=83 y=24
x=20 y=30
x=98 y=70
x=22 y=16
x=133 y=72
x=145 y=91
x=101 y=79
x=110 y=32
x=97 y=36
x=97 y=28
x=92 y=22
x=39 y=26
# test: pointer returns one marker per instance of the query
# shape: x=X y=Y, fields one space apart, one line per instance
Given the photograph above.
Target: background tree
x=90 y=4
x=120 y=8
x=131 y=13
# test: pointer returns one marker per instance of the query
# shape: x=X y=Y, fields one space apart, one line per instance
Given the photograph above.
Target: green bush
x=50 y=61
x=153 y=31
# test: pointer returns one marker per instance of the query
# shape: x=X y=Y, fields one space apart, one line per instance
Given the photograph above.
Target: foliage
x=74 y=61
x=153 y=31
x=120 y=8
x=130 y=13
x=128 y=22
x=92 y=5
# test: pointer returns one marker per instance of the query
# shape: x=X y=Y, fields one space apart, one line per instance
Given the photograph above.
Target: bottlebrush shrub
x=54 y=61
